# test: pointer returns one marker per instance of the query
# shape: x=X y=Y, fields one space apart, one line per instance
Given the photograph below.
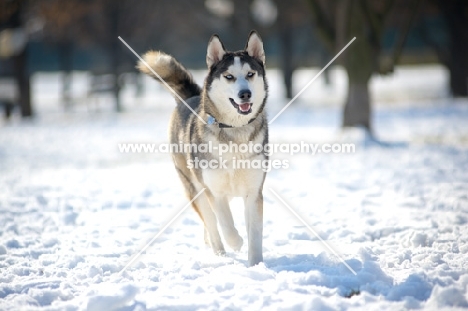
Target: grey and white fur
x=231 y=102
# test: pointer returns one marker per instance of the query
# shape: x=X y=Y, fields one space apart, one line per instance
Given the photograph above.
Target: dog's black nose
x=245 y=95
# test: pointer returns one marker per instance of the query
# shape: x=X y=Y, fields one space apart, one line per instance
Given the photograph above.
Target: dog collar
x=212 y=121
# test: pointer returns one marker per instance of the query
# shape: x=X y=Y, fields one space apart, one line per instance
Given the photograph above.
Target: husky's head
x=236 y=86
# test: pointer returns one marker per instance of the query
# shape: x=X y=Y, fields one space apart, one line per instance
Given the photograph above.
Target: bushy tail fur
x=172 y=72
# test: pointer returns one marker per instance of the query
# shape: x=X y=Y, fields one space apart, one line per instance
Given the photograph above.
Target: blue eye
x=250 y=74
x=229 y=77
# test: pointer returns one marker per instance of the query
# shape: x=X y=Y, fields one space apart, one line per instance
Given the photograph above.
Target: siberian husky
x=230 y=109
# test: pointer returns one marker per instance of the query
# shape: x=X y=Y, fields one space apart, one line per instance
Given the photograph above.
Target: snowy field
x=74 y=210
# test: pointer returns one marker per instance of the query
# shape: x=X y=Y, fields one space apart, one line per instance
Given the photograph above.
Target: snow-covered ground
x=73 y=210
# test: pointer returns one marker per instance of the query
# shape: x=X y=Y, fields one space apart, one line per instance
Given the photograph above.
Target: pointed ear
x=254 y=46
x=215 y=51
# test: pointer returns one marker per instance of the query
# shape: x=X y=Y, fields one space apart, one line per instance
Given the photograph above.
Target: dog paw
x=235 y=243
x=221 y=253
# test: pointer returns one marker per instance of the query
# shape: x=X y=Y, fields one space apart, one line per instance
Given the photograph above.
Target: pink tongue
x=244 y=107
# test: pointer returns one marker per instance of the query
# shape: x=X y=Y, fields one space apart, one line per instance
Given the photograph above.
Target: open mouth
x=244 y=108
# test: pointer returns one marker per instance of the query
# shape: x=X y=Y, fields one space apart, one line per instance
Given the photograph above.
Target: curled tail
x=172 y=72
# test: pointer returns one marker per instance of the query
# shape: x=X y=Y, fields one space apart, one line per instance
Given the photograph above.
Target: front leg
x=202 y=205
x=254 y=223
x=220 y=207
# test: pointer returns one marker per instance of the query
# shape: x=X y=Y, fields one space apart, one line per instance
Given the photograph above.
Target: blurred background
x=74 y=207
x=65 y=56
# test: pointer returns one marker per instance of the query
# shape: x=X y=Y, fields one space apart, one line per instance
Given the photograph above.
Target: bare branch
x=387 y=8
x=375 y=22
x=404 y=35
x=325 y=30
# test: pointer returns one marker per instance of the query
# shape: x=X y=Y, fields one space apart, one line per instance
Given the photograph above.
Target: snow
x=73 y=210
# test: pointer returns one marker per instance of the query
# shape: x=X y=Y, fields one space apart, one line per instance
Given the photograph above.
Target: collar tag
x=211 y=120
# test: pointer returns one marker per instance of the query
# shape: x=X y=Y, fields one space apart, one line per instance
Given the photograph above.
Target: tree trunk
x=114 y=51
x=66 y=62
x=457 y=22
x=459 y=72
x=287 y=66
x=20 y=61
x=458 y=55
x=285 y=31
x=23 y=81
x=360 y=61
x=324 y=58
x=357 y=108
x=116 y=88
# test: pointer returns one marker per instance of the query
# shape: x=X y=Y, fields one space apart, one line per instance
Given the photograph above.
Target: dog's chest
x=234 y=182
x=240 y=167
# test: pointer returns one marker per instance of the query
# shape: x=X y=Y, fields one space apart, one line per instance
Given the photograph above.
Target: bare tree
x=63 y=27
x=12 y=16
x=455 y=13
x=339 y=21
x=95 y=24
x=291 y=15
